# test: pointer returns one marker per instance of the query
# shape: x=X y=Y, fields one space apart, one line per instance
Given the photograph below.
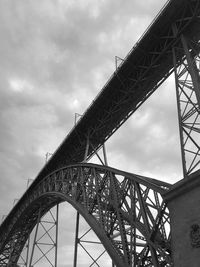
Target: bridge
x=129 y=213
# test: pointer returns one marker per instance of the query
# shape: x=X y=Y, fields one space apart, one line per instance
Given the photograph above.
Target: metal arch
x=125 y=210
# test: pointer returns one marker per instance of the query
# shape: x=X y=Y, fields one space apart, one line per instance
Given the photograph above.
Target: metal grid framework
x=86 y=242
x=188 y=101
x=41 y=246
x=126 y=212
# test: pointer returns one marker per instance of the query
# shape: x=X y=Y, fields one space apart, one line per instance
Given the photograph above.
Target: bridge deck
x=146 y=66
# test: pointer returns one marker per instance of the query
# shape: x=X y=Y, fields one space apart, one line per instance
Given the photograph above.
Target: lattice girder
x=187 y=77
x=126 y=211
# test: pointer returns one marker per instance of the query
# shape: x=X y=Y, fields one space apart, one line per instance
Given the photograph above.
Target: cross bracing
x=126 y=211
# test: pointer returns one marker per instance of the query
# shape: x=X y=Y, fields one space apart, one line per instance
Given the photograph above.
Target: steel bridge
x=127 y=212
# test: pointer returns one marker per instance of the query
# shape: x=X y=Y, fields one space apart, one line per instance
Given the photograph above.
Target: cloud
x=149 y=142
x=55 y=57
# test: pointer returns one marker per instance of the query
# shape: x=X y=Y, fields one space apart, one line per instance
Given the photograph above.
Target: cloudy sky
x=56 y=55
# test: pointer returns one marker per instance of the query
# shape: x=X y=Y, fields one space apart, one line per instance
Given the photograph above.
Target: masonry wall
x=184 y=206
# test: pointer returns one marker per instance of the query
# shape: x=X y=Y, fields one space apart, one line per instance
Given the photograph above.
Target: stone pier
x=184 y=206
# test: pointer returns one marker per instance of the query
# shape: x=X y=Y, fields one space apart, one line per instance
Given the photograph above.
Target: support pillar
x=56 y=238
x=184 y=205
x=187 y=80
x=35 y=238
x=45 y=246
x=104 y=155
x=76 y=239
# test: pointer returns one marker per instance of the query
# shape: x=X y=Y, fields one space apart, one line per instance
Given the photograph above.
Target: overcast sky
x=56 y=55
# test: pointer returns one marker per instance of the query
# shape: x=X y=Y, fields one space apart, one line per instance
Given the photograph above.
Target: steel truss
x=79 y=238
x=87 y=243
x=41 y=245
x=188 y=101
x=39 y=248
x=126 y=212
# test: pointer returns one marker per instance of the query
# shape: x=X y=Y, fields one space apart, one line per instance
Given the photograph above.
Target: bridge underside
x=126 y=211
x=145 y=68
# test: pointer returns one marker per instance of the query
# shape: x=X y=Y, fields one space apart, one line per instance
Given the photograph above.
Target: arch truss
x=126 y=211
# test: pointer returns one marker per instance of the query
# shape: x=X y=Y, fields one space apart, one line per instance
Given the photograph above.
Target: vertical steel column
x=27 y=252
x=104 y=154
x=56 y=241
x=87 y=149
x=76 y=239
x=35 y=236
x=28 y=242
x=77 y=214
x=179 y=117
x=187 y=81
x=133 y=204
